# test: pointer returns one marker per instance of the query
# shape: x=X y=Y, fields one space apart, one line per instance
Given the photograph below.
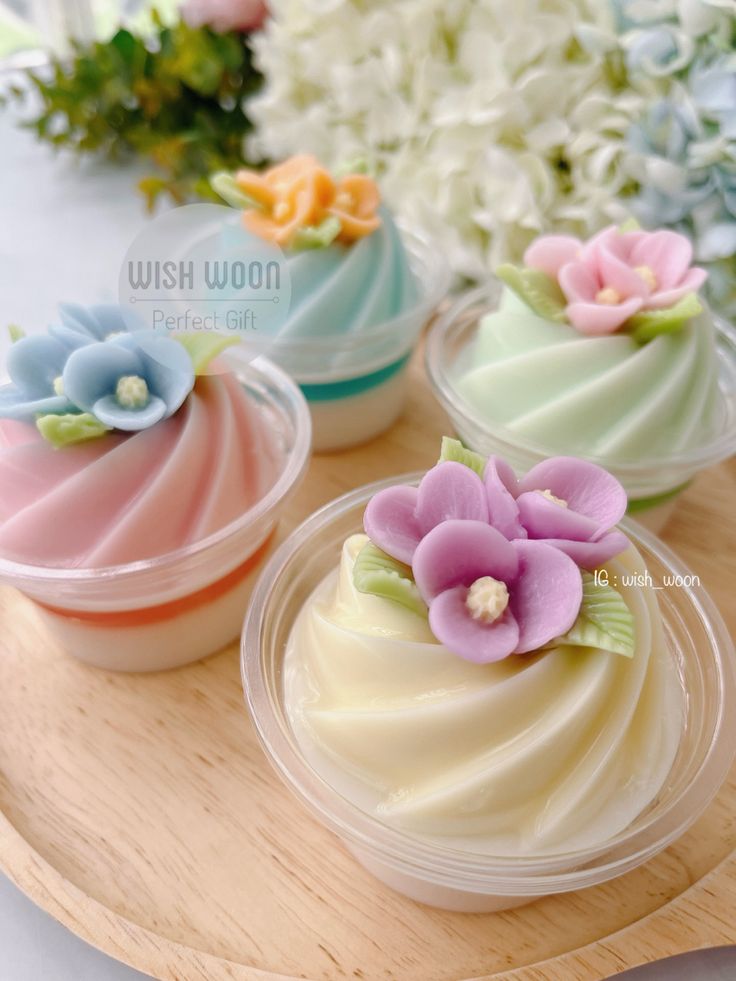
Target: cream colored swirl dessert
x=604 y=396
x=551 y=752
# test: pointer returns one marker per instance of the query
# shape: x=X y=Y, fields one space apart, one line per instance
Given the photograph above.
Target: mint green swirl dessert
x=607 y=397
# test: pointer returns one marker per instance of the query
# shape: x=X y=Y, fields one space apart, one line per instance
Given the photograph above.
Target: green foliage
x=175 y=97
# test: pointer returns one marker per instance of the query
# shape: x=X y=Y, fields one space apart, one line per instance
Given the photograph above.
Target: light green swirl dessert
x=534 y=754
x=602 y=396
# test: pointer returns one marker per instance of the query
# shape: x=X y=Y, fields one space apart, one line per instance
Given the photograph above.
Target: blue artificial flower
x=131 y=381
x=83 y=325
x=35 y=365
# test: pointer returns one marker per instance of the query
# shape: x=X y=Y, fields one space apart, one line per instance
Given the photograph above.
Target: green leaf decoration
x=204 y=348
x=15 y=332
x=648 y=324
x=355 y=165
x=71 y=428
x=604 y=620
x=224 y=184
x=376 y=573
x=453 y=449
x=536 y=289
x=318 y=236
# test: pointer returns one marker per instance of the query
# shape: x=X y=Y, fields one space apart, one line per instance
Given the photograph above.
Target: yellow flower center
x=281 y=210
x=487 y=599
x=551 y=497
x=58 y=385
x=608 y=296
x=647 y=274
x=132 y=392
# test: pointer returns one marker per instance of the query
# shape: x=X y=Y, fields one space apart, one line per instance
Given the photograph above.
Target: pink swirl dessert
x=136 y=497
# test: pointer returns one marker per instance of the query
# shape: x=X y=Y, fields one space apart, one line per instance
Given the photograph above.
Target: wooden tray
x=140 y=811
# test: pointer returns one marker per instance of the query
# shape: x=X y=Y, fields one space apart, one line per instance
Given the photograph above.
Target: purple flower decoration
x=572 y=504
x=398 y=518
x=489 y=597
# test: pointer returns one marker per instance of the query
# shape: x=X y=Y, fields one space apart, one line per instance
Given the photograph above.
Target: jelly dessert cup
x=429 y=870
x=361 y=289
x=356 y=383
x=168 y=610
x=652 y=482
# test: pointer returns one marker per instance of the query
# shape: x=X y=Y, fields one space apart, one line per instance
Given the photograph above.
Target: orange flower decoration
x=300 y=194
x=355 y=204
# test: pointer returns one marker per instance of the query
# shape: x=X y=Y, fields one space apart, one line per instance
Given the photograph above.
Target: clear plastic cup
x=447 y=877
x=179 y=607
x=652 y=485
x=355 y=383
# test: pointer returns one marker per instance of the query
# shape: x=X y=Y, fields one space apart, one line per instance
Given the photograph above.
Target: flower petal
x=108 y=410
x=596 y=319
x=545 y=598
x=390 y=522
x=614 y=272
x=543 y=518
x=578 y=282
x=588 y=489
x=167 y=366
x=456 y=553
x=501 y=490
x=452 y=624
x=668 y=254
x=96 y=322
x=15 y=405
x=692 y=282
x=589 y=555
x=450 y=490
x=34 y=362
x=93 y=371
x=551 y=252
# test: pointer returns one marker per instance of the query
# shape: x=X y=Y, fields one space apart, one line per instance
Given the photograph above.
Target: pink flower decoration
x=616 y=274
x=569 y=503
x=225 y=15
x=398 y=518
x=489 y=597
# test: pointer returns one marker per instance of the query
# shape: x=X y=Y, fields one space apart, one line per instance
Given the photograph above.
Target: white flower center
x=608 y=296
x=113 y=334
x=58 y=385
x=132 y=392
x=551 y=497
x=647 y=274
x=487 y=599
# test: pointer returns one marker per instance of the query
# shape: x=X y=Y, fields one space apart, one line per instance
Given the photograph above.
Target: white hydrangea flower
x=487 y=121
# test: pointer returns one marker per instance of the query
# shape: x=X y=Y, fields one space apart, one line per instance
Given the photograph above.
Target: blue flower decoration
x=129 y=382
x=83 y=325
x=35 y=365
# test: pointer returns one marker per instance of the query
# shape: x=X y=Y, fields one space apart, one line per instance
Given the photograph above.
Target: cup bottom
x=433 y=894
x=344 y=422
x=188 y=629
